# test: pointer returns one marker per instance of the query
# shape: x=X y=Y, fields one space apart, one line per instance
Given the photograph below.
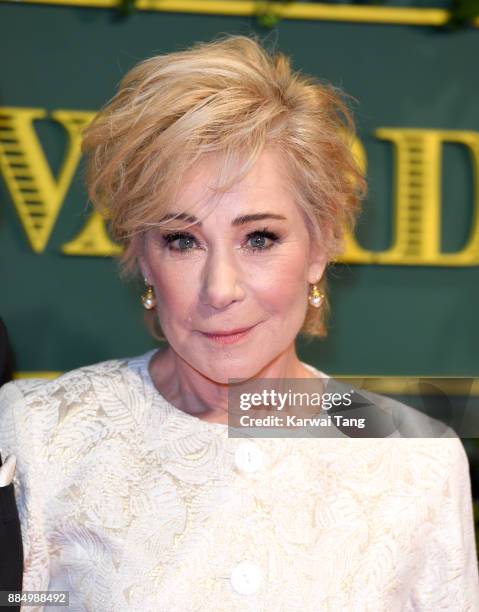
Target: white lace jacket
x=131 y=504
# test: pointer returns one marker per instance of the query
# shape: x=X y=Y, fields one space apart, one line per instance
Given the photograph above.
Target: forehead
x=266 y=183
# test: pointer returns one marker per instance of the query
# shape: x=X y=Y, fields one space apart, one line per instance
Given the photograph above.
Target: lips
x=233 y=336
x=229 y=332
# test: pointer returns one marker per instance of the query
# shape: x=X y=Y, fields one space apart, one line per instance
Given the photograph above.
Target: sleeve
x=449 y=577
x=11 y=557
x=17 y=429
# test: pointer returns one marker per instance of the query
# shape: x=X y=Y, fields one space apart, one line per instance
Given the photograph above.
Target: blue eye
x=185 y=241
x=259 y=239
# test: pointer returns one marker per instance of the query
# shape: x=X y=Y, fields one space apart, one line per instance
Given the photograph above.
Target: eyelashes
x=258 y=241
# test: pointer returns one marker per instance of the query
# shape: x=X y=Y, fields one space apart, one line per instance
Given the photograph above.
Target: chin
x=224 y=373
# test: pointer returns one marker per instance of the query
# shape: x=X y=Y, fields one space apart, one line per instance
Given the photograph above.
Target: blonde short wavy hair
x=230 y=98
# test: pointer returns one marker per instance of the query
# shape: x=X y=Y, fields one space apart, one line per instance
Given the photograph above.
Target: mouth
x=230 y=336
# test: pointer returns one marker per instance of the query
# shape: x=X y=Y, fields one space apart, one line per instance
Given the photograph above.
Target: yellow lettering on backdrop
x=36 y=194
x=417 y=206
x=92 y=240
x=353 y=252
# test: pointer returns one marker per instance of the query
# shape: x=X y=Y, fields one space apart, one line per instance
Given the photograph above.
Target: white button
x=246 y=578
x=248 y=456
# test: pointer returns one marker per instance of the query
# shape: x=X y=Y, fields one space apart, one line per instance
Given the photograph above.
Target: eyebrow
x=241 y=220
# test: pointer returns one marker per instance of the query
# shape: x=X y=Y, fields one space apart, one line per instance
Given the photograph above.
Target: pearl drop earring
x=315 y=296
x=148 y=298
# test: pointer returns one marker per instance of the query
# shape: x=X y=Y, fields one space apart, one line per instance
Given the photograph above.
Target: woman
x=229 y=180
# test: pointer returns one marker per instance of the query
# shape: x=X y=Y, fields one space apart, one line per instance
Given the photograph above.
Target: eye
x=185 y=242
x=258 y=240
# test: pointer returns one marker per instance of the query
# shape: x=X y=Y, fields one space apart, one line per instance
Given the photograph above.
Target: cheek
x=283 y=282
x=175 y=296
x=176 y=304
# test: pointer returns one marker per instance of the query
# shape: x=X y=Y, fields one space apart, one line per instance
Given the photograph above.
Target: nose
x=221 y=279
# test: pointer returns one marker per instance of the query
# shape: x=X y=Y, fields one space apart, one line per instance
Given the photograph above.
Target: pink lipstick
x=228 y=337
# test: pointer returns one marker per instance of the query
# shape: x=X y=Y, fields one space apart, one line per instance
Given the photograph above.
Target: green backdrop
x=63 y=312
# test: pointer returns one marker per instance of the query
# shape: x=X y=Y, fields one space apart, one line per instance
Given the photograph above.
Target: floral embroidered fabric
x=131 y=504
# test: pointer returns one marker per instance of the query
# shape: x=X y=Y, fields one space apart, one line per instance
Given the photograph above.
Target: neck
x=196 y=394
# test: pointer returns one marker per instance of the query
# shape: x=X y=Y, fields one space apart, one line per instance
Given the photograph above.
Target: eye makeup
x=188 y=240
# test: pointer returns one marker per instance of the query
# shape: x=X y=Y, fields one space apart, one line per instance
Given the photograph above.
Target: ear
x=145 y=269
x=316 y=271
x=142 y=259
x=317 y=265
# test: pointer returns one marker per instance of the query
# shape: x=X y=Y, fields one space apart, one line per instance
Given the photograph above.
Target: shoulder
x=35 y=412
x=425 y=442
x=400 y=444
x=389 y=417
x=384 y=416
x=70 y=385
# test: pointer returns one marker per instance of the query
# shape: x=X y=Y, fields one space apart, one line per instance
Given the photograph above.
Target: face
x=247 y=265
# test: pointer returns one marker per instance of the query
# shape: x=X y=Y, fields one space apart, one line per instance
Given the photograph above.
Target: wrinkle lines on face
x=228 y=279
